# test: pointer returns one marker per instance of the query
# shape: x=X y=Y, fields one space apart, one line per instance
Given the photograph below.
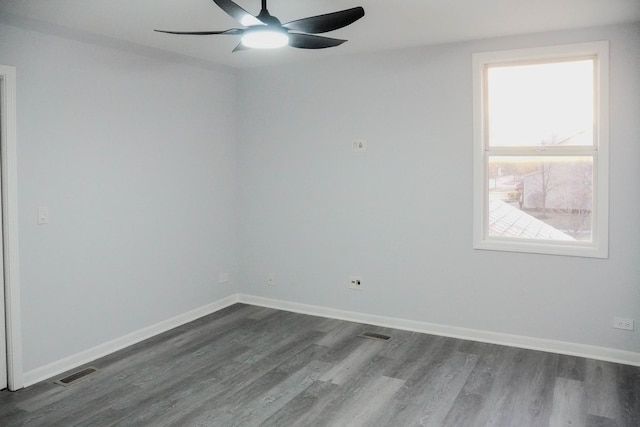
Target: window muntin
x=541 y=152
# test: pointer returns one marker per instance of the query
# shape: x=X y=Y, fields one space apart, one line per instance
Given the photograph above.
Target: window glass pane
x=541 y=197
x=541 y=104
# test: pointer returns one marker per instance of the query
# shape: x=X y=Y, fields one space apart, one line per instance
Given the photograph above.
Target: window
x=541 y=150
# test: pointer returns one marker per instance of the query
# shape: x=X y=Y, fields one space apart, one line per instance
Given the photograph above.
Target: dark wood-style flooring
x=249 y=366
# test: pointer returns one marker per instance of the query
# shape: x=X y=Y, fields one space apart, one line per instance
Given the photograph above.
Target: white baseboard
x=560 y=347
x=71 y=362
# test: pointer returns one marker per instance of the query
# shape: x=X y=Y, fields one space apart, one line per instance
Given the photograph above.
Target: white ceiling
x=387 y=24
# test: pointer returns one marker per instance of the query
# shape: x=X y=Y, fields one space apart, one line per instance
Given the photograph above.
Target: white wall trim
x=531 y=343
x=560 y=347
x=9 y=156
x=73 y=361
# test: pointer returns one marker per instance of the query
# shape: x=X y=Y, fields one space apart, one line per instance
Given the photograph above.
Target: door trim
x=10 y=229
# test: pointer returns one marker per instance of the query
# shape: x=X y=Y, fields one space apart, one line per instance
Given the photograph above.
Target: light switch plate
x=43 y=215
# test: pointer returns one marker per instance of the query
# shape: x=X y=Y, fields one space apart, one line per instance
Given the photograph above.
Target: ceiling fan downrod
x=266 y=17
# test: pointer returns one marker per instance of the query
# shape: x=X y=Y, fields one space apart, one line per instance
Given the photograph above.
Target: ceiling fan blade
x=240 y=47
x=309 y=41
x=238 y=13
x=327 y=22
x=232 y=31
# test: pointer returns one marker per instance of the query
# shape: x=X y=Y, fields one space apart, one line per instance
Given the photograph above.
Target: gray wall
x=400 y=215
x=159 y=175
x=135 y=159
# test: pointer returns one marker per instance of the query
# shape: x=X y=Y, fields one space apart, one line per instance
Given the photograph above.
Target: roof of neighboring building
x=509 y=221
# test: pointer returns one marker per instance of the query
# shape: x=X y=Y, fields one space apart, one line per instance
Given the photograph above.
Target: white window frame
x=599 y=246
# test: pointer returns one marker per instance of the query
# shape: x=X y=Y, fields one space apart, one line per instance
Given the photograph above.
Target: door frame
x=9 y=180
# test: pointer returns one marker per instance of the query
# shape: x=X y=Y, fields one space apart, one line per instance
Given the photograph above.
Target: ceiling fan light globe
x=265 y=38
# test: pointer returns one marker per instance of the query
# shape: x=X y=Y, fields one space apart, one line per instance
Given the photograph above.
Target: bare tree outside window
x=555 y=190
x=545 y=186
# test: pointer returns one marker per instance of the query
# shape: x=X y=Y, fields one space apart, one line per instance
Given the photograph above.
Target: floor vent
x=375 y=336
x=70 y=379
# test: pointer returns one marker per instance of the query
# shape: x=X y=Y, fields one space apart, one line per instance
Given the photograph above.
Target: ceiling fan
x=265 y=31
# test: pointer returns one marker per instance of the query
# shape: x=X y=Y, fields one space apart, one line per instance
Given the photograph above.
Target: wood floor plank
x=569 y=404
x=250 y=366
x=522 y=393
x=249 y=379
x=628 y=395
x=342 y=371
x=171 y=388
x=473 y=396
x=305 y=403
x=458 y=374
x=596 y=421
x=505 y=401
x=369 y=403
x=327 y=410
x=337 y=331
x=571 y=367
x=427 y=402
x=156 y=372
x=601 y=389
x=417 y=353
x=265 y=401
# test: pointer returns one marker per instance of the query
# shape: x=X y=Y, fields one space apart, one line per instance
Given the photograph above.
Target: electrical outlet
x=223 y=278
x=355 y=282
x=271 y=280
x=622 y=323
